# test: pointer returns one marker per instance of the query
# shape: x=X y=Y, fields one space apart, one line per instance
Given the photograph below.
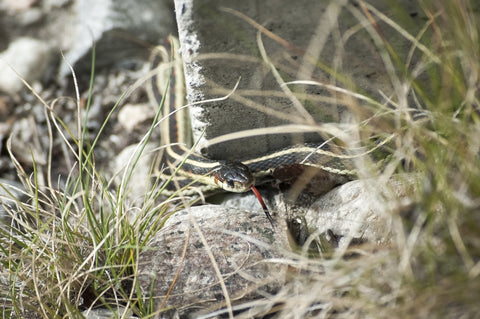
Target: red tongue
x=265 y=209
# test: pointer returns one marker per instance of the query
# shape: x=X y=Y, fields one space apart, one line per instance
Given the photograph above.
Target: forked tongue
x=265 y=209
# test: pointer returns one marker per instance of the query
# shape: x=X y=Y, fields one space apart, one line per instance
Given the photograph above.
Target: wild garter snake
x=167 y=90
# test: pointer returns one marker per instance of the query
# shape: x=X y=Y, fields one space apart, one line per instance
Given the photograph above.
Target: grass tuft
x=74 y=246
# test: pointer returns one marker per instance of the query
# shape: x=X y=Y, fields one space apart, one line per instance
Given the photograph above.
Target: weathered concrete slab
x=325 y=41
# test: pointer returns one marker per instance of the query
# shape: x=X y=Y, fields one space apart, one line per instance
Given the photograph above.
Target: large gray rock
x=193 y=243
x=358 y=211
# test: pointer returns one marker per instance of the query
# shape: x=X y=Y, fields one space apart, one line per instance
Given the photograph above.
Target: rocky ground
x=41 y=41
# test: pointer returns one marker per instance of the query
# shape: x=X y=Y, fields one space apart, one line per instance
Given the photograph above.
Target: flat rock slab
x=204 y=246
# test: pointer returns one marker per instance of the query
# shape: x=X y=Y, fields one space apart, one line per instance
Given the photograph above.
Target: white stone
x=25 y=58
x=130 y=116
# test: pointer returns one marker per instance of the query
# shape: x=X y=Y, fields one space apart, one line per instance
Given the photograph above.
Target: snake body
x=167 y=89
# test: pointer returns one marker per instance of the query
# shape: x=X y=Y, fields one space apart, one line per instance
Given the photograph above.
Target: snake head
x=233 y=177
